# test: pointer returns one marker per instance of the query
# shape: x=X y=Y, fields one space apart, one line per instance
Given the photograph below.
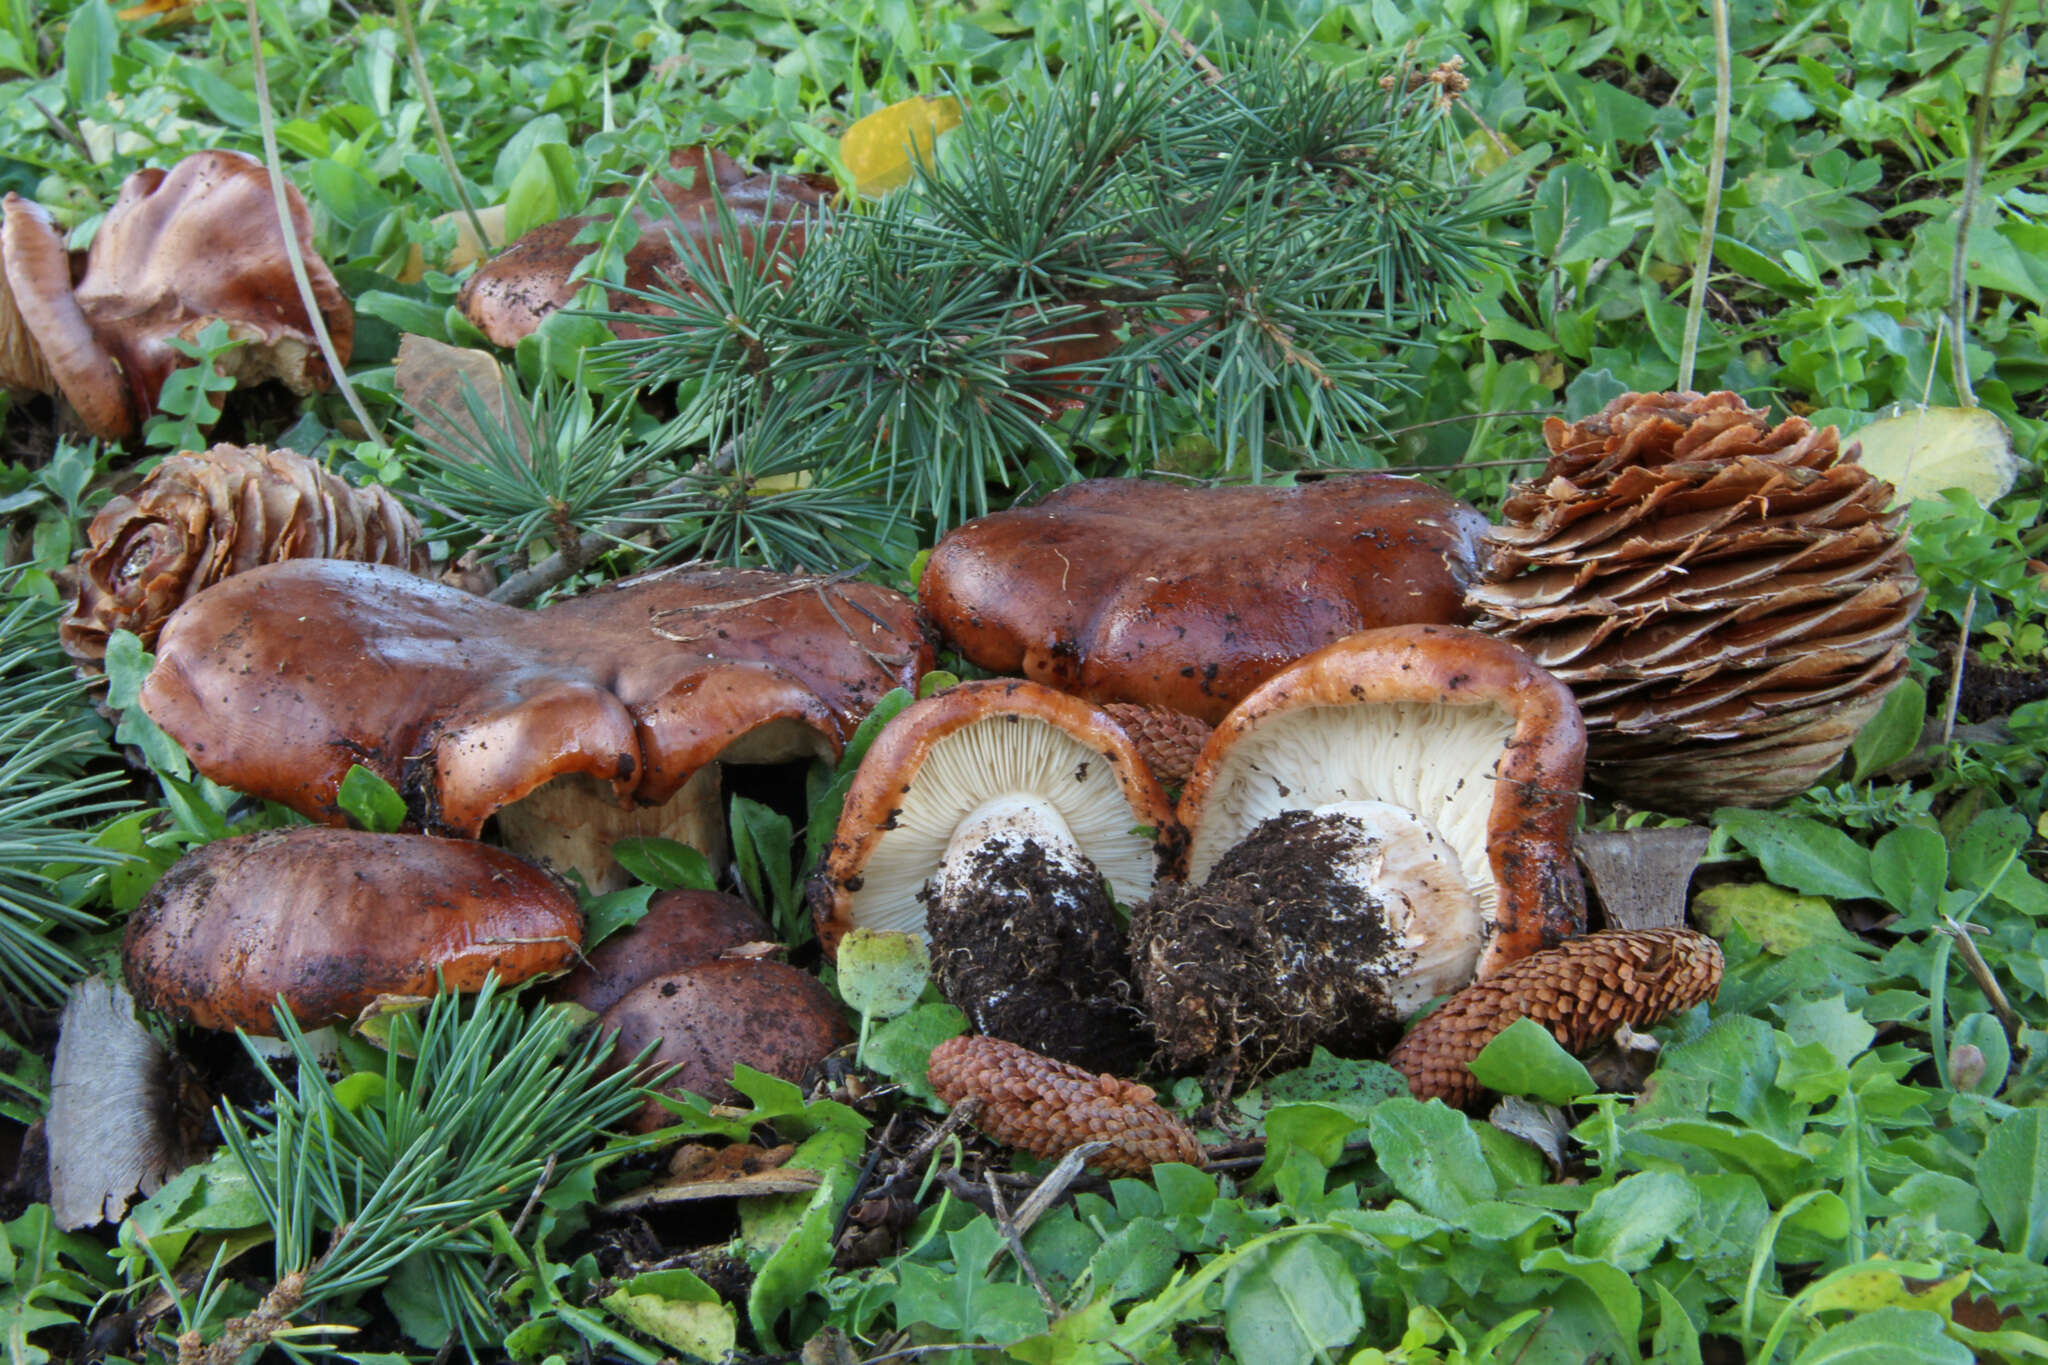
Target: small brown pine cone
x=1582 y=990
x=1048 y=1108
x=1170 y=741
x=200 y=517
x=1729 y=600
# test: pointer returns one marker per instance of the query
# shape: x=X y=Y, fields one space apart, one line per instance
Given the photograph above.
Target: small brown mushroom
x=605 y=712
x=1583 y=990
x=178 y=250
x=708 y=1018
x=513 y=292
x=1127 y=590
x=326 y=920
x=680 y=929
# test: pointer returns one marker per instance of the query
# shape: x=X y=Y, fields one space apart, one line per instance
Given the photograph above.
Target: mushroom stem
x=1405 y=865
x=573 y=821
x=1005 y=825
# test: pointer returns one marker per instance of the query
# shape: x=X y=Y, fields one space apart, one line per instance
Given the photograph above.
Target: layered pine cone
x=200 y=517
x=1729 y=600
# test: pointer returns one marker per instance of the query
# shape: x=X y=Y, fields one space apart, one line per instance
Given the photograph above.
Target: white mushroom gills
x=1401 y=862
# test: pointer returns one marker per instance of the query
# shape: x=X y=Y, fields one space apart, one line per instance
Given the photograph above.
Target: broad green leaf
x=1432 y=1156
x=1801 y=854
x=1781 y=922
x=1320 y=1130
x=902 y=1048
x=1910 y=866
x=798 y=1263
x=1892 y=733
x=1869 y=1285
x=1943 y=1201
x=1136 y=1261
x=1987 y=847
x=762 y=839
x=90 y=41
x=1830 y=1022
x=614 y=911
x=370 y=801
x=1983 y=1032
x=2012 y=1175
x=881 y=974
x=680 y=1311
x=1291 y=1305
x=1888 y=1336
x=1354 y=1086
x=1613 y=1289
x=1676 y=1340
x=1524 y=1059
x=665 y=864
x=1633 y=1218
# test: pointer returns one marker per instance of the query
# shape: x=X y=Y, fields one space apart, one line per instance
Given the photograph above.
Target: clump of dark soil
x=1273 y=955
x=1036 y=957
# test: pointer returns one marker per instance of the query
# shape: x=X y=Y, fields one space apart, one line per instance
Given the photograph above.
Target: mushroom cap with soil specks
x=327 y=920
x=1457 y=728
x=1188 y=598
x=680 y=929
x=708 y=1018
x=978 y=767
x=277 y=681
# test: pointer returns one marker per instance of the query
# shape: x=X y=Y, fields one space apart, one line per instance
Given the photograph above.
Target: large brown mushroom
x=326 y=920
x=599 y=716
x=1370 y=828
x=1188 y=598
x=178 y=250
x=516 y=290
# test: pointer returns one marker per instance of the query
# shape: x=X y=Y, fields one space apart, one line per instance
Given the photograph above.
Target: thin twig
x=1180 y=40
x=1981 y=971
x=1955 y=681
x=419 y=78
x=62 y=129
x=1973 y=182
x=1710 y=213
x=275 y=165
x=1015 y=1241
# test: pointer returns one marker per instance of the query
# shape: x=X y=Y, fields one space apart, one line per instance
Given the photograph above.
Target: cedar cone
x=1047 y=1108
x=1729 y=600
x=1168 y=740
x=198 y=518
x=1583 y=990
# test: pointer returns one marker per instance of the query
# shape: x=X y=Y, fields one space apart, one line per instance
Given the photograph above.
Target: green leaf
x=1136 y=1261
x=1524 y=1059
x=665 y=864
x=127 y=663
x=1910 y=866
x=901 y=1049
x=882 y=974
x=1983 y=1032
x=90 y=41
x=1632 y=1219
x=2012 y=1175
x=1432 y=1156
x=606 y=915
x=1291 y=1305
x=678 y=1310
x=1313 y=1127
x=1677 y=1340
x=543 y=189
x=1801 y=854
x=1780 y=922
x=762 y=843
x=1886 y=1337
x=1892 y=733
x=370 y=801
x=1354 y=1086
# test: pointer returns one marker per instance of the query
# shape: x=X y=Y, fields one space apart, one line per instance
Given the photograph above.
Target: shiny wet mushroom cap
x=326 y=920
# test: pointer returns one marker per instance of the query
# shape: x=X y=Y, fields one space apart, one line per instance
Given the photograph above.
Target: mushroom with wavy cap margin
x=592 y=718
x=179 y=249
x=1370 y=828
x=1122 y=590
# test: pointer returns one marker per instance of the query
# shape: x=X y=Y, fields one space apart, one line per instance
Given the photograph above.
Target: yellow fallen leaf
x=880 y=148
x=1922 y=451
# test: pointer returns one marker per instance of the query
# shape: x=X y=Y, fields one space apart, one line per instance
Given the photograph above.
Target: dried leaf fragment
x=1047 y=1108
x=1583 y=991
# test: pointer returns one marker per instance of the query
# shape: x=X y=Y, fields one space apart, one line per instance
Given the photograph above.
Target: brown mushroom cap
x=200 y=242
x=945 y=758
x=1382 y=716
x=278 y=680
x=512 y=293
x=1127 y=590
x=706 y=1019
x=59 y=352
x=327 y=920
x=680 y=929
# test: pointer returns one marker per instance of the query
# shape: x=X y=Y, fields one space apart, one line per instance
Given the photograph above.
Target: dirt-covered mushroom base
x=1036 y=956
x=1272 y=955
